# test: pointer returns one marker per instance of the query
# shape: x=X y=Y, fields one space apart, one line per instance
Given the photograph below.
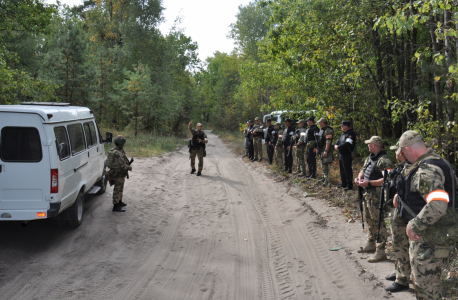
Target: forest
x=388 y=66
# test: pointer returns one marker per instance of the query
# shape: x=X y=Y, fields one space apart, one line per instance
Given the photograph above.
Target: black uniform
x=312 y=132
x=247 y=142
x=346 y=144
x=250 y=143
x=287 y=142
x=269 y=139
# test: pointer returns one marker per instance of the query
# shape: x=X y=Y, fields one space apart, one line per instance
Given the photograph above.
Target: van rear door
x=25 y=177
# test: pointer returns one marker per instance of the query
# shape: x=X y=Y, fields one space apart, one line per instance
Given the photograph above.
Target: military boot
x=193 y=171
x=378 y=256
x=118 y=208
x=122 y=204
x=369 y=248
x=199 y=173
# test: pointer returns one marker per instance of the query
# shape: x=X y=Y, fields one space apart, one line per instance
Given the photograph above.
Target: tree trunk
x=450 y=105
x=437 y=100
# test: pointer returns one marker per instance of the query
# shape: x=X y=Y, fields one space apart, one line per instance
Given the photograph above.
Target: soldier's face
x=277 y=127
x=407 y=151
x=321 y=124
x=310 y=123
x=301 y=125
x=257 y=121
x=268 y=123
x=344 y=128
x=287 y=124
x=199 y=127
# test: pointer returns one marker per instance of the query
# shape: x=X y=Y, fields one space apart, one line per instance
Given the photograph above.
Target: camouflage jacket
x=117 y=161
x=257 y=131
x=428 y=178
x=301 y=136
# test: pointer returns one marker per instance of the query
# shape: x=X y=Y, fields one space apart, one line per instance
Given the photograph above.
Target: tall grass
x=145 y=144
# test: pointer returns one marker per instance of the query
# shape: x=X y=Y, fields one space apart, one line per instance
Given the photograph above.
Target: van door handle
x=0 y=168
x=83 y=165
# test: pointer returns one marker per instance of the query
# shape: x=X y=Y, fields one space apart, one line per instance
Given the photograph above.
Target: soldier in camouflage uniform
x=301 y=141
x=276 y=140
x=119 y=165
x=324 y=149
x=199 y=139
x=428 y=196
x=371 y=179
x=398 y=231
x=257 y=139
x=312 y=132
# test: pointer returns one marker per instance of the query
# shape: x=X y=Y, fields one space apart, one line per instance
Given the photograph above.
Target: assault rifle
x=129 y=163
x=382 y=202
x=360 y=198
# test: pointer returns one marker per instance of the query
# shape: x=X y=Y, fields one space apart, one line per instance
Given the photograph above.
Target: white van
x=51 y=154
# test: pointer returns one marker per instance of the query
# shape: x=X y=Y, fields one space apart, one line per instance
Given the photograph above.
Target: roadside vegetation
x=146 y=144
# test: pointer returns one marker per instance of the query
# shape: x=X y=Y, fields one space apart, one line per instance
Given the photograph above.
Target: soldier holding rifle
x=398 y=230
x=371 y=179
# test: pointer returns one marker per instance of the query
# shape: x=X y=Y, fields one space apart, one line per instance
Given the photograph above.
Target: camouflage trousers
x=118 y=189
x=200 y=156
x=401 y=248
x=257 y=144
x=426 y=270
x=279 y=156
x=325 y=168
x=300 y=159
x=371 y=208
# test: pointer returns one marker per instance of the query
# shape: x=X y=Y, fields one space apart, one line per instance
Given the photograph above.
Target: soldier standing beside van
x=119 y=166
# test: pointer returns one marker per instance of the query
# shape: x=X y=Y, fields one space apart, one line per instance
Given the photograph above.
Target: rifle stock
x=129 y=163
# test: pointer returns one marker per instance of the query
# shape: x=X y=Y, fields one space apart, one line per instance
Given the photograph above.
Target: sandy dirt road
x=232 y=233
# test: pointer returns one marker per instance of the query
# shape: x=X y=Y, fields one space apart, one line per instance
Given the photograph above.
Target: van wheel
x=75 y=212
x=103 y=185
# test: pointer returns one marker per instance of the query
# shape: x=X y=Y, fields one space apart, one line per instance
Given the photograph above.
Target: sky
x=205 y=21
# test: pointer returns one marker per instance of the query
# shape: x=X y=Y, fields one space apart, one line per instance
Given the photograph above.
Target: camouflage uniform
x=401 y=242
x=118 y=163
x=325 y=137
x=257 y=141
x=300 y=151
x=197 y=151
x=372 y=203
x=426 y=267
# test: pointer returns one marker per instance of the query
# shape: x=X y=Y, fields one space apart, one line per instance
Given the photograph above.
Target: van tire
x=75 y=212
x=102 y=184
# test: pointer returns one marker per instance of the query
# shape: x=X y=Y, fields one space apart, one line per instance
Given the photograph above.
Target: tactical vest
x=311 y=133
x=414 y=200
x=195 y=142
x=321 y=137
x=372 y=171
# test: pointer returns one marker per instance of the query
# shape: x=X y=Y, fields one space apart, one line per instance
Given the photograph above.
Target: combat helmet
x=120 y=141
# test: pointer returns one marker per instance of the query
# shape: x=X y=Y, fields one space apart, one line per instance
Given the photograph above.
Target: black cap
x=345 y=122
x=250 y=121
x=312 y=118
x=288 y=120
x=268 y=120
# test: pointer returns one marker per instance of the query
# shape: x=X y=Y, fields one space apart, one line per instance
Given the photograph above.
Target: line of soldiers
x=307 y=141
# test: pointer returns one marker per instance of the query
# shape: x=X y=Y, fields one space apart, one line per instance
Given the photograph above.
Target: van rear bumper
x=28 y=215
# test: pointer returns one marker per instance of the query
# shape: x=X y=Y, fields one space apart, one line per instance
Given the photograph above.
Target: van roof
x=51 y=113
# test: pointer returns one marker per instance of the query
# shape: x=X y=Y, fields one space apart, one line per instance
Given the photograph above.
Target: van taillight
x=54 y=181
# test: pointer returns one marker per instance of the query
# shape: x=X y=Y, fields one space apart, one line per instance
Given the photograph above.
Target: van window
x=75 y=132
x=62 y=146
x=87 y=133
x=93 y=133
x=20 y=144
x=91 y=136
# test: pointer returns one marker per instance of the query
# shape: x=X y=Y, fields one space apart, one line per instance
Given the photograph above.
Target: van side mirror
x=109 y=138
